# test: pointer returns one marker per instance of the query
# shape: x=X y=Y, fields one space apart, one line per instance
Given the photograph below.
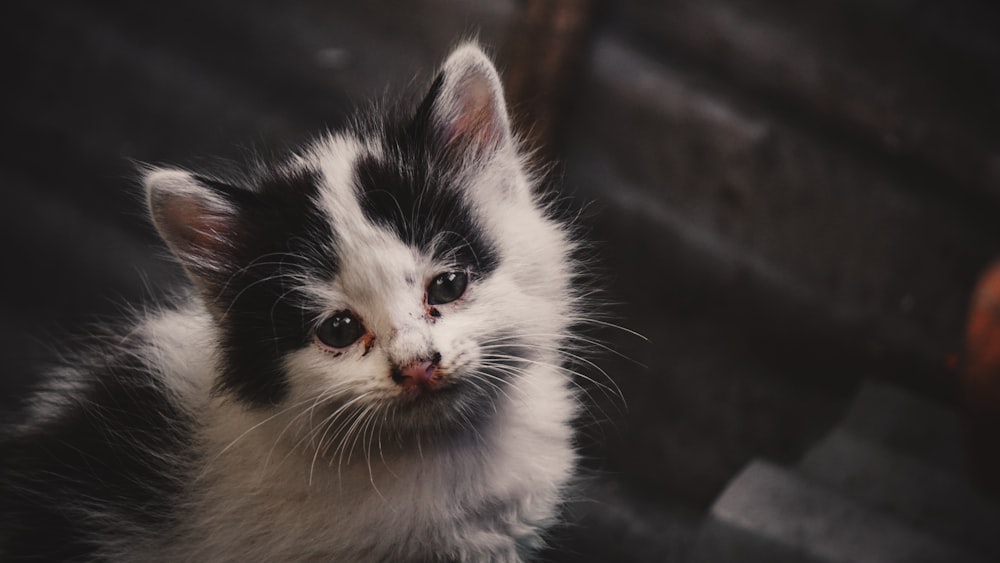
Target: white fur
x=275 y=484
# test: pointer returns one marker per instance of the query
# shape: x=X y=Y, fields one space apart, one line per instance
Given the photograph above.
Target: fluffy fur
x=221 y=429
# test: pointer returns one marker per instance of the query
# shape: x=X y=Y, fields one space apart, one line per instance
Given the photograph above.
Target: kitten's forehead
x=336 y=159
x=386 y=190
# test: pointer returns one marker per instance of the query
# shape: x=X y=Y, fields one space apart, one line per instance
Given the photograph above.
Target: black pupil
x=446 y=288
x=340 y=330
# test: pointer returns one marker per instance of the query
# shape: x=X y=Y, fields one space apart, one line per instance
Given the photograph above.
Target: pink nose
x=421 y=373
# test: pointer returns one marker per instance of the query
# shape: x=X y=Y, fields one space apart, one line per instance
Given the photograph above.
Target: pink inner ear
x=477 y=121
x=193 y=225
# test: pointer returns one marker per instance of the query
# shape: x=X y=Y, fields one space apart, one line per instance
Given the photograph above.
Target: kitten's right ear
x=465 y=110
x=197 y=217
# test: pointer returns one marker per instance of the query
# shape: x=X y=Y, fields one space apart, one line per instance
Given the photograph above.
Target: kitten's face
x=400 y=273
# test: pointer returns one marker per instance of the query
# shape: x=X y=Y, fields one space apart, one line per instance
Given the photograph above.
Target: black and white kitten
x=368 y=367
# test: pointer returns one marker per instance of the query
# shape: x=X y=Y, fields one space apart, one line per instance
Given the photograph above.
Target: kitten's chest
x=401 y=508
x=257 y=497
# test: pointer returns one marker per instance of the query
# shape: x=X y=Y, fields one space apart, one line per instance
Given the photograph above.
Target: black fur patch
x=413 y=190
x=280 y=237
x=108 y=451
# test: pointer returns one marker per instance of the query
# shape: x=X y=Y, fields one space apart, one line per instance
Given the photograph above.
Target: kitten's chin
x=456 y=408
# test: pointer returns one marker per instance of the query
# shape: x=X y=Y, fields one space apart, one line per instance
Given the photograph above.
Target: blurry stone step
x=730 y=172
x=875 y=77
x=770 y=514
x=907 y=424
x=723 y=542
x=923 y=496
x=608 y=523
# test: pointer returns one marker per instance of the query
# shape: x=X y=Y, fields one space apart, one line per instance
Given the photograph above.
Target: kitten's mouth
x=440 y=399
x=429 y=385
x=432 y=397
x=432 y=389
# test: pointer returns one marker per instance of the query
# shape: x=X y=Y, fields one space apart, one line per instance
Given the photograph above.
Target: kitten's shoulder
x=103 y=440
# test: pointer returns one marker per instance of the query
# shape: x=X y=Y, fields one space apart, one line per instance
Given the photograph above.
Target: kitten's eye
x=340 y=330
x=446 y=288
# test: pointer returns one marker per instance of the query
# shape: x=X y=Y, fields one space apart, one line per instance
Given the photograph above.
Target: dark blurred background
x=792 y=201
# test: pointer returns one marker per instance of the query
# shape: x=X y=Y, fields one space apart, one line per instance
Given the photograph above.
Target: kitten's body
x=228 y=428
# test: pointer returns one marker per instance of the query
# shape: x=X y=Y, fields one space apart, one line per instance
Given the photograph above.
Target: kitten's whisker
x=343 y=433
x=259 y=424
x=323 y=397
x=356 y=429
x=611 y=393
x=465 y=244
x=587 y=320
x=501 y=366
x=469 y=424
x=274 y=326
x=253 y=264
x=342 y=446
x=251 y=429
x=385 y=420
x=584 y=390
x=291 y=422
x=570 y=337
x=229 y=308
x=617 y=390
x=381 y=455
x=277 y=439
x=340 y=437
x=607 y=391
x=327 y=424
x=479 y=376
x=373 y=421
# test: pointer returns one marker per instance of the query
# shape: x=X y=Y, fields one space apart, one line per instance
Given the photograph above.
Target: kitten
x=368 y=366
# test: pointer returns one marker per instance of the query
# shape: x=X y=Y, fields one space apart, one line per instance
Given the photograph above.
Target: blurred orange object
x=981 y=378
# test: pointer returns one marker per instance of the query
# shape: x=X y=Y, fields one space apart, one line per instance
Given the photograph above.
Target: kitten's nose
x=419 y=373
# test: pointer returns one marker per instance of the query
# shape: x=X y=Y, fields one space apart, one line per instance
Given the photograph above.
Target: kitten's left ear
x=197 y=217
x=465 y=108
